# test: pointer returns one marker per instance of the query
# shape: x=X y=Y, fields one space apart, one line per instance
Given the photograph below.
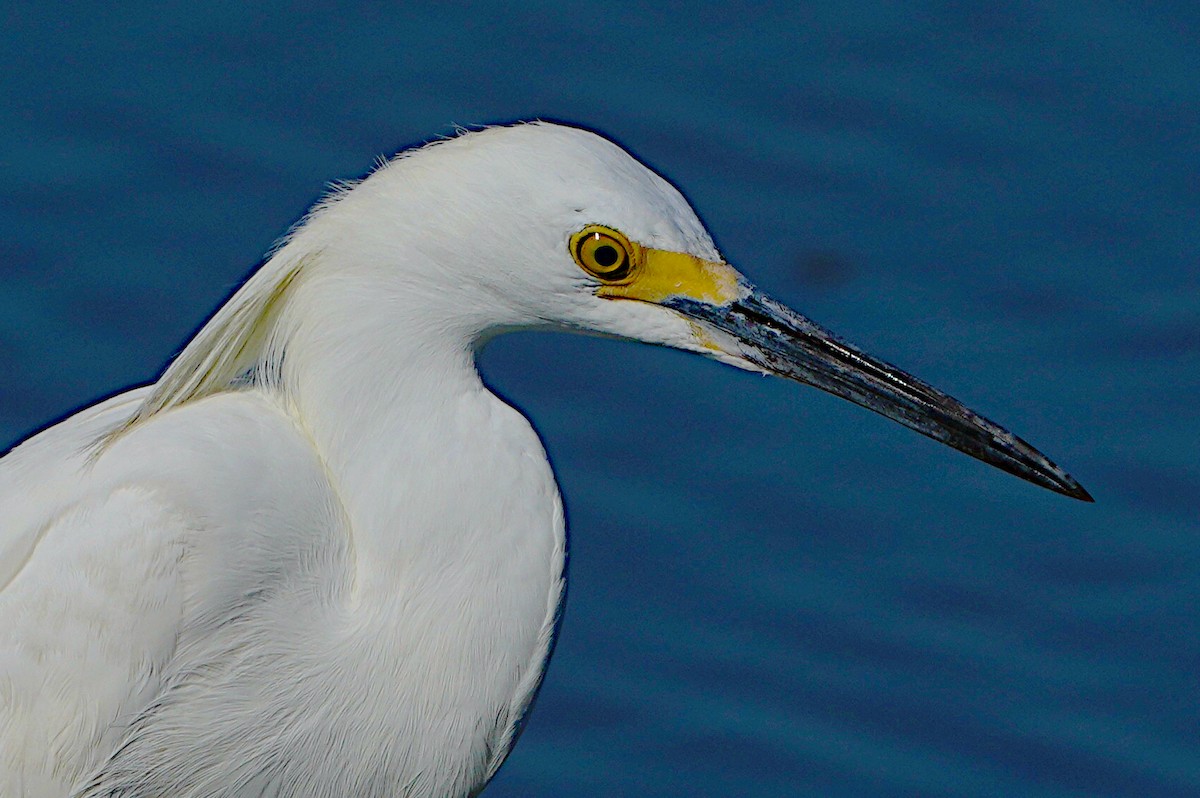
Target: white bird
x=318 y=557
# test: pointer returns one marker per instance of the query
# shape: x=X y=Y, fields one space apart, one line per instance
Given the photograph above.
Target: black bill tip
x=1077 y=491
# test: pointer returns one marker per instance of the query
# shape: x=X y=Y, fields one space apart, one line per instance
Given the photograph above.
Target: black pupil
x=606 y=255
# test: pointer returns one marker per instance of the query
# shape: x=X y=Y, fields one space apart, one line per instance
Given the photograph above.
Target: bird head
x=554 y=226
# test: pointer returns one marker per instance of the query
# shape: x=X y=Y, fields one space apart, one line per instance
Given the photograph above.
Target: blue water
x=774 y=592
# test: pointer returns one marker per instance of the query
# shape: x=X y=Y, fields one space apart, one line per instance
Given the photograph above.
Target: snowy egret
x=318 y=557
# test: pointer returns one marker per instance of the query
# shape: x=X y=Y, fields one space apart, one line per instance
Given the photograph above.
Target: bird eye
x=603 y=253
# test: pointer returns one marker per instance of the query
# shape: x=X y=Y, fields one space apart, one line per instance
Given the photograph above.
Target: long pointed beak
x=771 y=337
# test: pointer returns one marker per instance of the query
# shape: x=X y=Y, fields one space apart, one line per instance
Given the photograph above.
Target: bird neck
x=455 y=526
x=356 y=365
x=386 y=387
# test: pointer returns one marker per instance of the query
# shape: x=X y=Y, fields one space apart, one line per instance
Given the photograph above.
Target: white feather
x=318 y=557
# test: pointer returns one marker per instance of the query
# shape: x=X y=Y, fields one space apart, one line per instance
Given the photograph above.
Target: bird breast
x=316 y=631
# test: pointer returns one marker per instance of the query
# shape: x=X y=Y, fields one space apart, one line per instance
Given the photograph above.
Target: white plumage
x=318 y=557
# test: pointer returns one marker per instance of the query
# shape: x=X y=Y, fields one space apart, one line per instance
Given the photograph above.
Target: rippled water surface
x=773 y=592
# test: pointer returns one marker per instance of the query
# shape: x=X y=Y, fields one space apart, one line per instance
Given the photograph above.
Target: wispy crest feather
x=234 y=342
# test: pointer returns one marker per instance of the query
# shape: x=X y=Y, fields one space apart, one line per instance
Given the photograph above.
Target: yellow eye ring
x=603 y=253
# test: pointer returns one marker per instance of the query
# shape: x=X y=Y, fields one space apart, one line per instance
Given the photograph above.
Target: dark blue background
x=774 y=593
